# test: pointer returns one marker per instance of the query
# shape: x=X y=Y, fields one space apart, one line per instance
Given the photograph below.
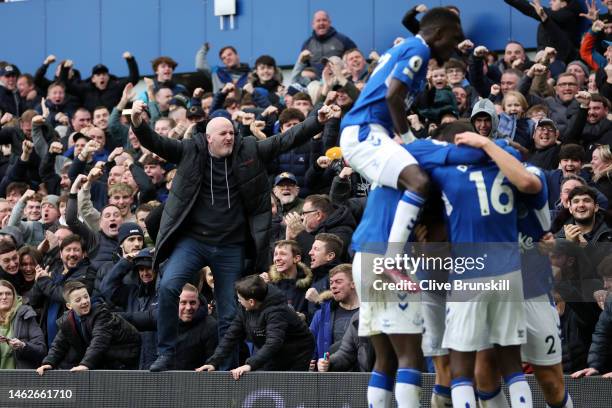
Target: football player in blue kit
x=541 y=349
x=393 y=320
x=480 y=208
x=368 y=129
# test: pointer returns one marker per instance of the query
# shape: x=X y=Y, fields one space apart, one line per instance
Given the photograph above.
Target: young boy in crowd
x=91 y=337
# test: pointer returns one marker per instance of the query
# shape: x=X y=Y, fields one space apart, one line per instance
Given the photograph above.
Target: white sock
x=462 y=391
x=520 y=393
x=405 y=218
x=567 y=402
x=496 y=399
x=441 y=397
x=408 y=388
x=380 y=390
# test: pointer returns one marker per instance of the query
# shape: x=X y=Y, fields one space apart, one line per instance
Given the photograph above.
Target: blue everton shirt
x=406 y=62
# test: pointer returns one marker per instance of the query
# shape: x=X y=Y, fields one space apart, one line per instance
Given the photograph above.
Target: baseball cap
x=78 y=135
x=144 y=258
x=284 y=176
x=9 y=70
x=295 y=88
x=99 y=69
x=547 y=122
x=195 y=112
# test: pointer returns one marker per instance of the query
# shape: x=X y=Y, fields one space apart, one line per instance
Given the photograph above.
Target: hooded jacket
x=282 y=339
x=487 y=107
x=294 y=289
x=249 y=159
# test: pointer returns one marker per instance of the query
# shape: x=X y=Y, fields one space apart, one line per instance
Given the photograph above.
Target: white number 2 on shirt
x=497 y=191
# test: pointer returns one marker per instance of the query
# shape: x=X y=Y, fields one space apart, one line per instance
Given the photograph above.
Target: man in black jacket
x=102 y=89
x=282 y=339
x=320 y=215
x=91 y=336
x=226 y=176
x=197 y=338
x=136 y=301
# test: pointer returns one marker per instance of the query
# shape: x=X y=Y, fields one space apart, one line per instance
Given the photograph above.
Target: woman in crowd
x=601 y=163
x=22 y=344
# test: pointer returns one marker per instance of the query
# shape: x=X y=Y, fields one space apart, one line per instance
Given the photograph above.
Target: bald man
x=218 y=207
x=325 y=41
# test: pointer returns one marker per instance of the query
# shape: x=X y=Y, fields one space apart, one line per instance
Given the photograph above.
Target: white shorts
x=543 y=345
x=378 y=158
x=491 y=317
x=388 y=312
x=433 y=307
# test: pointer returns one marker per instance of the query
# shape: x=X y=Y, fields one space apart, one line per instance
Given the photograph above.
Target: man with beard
x=598 y=128
x=286 y=190
x=587 y=227
x=47 y=290
x=101 y=245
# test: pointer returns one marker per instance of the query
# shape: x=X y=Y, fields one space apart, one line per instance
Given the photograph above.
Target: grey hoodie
x=15 y=233
x=486 y=106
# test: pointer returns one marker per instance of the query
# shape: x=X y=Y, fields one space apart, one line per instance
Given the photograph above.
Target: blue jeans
x=187 y=258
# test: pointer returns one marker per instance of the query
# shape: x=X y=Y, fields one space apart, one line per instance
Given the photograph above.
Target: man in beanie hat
x=580 y=71
x=131 y=240
x=130 y=237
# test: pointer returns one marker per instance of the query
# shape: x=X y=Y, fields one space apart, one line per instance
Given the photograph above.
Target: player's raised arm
x=511 y=167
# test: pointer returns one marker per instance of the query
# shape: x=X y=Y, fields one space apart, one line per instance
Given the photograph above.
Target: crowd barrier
x=254 y=390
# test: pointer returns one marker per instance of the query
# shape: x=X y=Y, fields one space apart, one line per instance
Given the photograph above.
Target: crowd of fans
x=130 y=224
